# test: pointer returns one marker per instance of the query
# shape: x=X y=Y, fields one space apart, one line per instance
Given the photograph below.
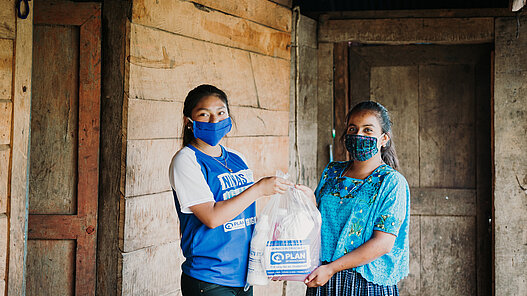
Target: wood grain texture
x=411 y=285
x=443 y=202
x=448 y=248
x=50 y=261
x=169 y=70
x=5 y=157
x=147 y=163
x=325 y=104
x=167 y=122
x=286 y=3
x=152 y=271
x=397 y=89
x=266 y=13
x=510 y=124
x=7 y=19
x=4 y=235
x=259 y=158
x=19 y=156
x=60 y=12
x=149 y=220
x=184 y=18
x=408 y=31
x=6 y=111
x=272 y=78
x=6 y=68
x=341 y=98
x=251 y=122
x=447 y=125
x=54 y=122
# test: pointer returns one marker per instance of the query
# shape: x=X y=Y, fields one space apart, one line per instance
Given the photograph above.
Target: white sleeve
x=188 y=181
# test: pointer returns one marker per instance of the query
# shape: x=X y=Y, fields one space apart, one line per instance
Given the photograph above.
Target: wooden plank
x=147 y=164
x=286 y=3
x=325 y=104
x=5 y=156
x=184 y=18
x=169 y=70
x=414 y=55
x=152 y=271
x=307 y=32
x=149 y=220
x=54 y=129
x=19 y=161
x=397 y=89
x=447 y=118
x=510 y=121
x=6 y=68
x=265 y=155
x=443 y=202
x=7 y=19
x=341 y=98
x=6 y=111
x=447 y=248
x=271 y=77
x=484 y=177
x=411 y=285
x=65 y=12
x=251 y=122
x=266 y=13
x=415 y=13
x=3 y=246
x=113 y=72
x=50 y=261
x=408 y=31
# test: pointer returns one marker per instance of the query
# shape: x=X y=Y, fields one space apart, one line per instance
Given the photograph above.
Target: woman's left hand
x=307 y=191
x=319 y=277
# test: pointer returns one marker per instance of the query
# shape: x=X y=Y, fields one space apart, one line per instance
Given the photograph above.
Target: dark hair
x=193 y=98
x=388 y=153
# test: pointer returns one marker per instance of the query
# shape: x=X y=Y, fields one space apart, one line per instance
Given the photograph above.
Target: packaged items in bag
x=286 y=240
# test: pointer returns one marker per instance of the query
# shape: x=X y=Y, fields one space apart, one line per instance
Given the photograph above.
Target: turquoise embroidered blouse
x=352 y=209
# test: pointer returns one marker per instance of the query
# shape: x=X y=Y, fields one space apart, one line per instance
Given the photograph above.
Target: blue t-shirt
x=218 y=255
x=352 y=209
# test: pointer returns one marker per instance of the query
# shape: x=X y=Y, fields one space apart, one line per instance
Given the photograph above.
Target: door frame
x=81 y=227
x=337 y=31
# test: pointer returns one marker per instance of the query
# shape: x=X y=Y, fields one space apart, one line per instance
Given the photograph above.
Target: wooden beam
x=19 y=161
x=409 y=31
x=390 y=14
x=64 y=12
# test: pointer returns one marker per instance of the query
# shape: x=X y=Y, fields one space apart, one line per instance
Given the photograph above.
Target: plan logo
x=288 y=257
x=234 y=225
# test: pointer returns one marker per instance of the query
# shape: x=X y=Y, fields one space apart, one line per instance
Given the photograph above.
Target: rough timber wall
x=510 y=155
x=239 y=46
x=15 y=90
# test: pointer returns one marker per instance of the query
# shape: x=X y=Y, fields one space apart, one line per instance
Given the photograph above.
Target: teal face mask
x=361 y=148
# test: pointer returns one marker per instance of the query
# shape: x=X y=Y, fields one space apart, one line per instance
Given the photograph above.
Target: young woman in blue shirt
x=365 y=207
x=215 y=194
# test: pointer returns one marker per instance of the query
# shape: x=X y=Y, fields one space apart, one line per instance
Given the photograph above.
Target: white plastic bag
x=286 y=240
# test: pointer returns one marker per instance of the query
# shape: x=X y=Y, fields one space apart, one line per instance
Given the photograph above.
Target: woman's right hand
x=272 y=185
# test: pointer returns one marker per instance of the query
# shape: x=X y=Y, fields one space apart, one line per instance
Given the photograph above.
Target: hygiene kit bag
x=286 y=240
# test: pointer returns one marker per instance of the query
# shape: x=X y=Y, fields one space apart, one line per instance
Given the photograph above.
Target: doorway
x=439 y=98
x=64 y=145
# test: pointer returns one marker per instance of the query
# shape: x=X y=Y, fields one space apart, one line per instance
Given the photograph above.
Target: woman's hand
x=272 y=185
x=320 y=276
x=307 y=191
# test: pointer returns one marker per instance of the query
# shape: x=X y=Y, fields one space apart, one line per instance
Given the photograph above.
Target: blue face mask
x=361 y=148
x=211 y=133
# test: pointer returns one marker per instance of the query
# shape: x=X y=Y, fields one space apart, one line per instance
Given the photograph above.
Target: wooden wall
x=15 y=90
x=510 y=154
x=171 y=47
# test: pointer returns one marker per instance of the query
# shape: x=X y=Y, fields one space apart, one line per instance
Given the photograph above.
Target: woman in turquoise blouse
x=365 y=207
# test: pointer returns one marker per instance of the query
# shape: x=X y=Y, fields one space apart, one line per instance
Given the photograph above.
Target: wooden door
x=439 y=100
x=63 y=176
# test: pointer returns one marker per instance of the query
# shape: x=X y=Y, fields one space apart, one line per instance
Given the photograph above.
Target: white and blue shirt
x=218 y=255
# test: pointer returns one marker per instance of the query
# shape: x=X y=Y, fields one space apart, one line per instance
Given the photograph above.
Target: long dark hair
x=388 y=153
x=192 y=99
